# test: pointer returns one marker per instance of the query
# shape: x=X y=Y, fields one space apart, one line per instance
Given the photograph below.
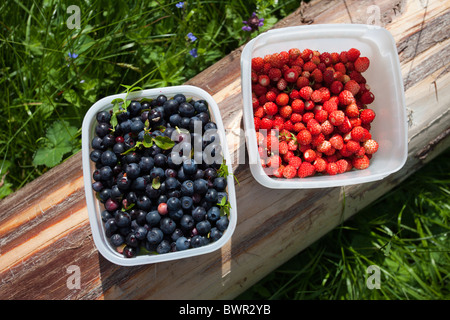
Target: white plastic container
x=95 y=207
x=384 y=77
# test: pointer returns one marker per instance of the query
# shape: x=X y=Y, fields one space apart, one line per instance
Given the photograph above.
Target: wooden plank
x=44 y=227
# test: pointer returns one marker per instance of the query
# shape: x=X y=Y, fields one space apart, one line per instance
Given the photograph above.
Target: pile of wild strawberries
x=311 y=112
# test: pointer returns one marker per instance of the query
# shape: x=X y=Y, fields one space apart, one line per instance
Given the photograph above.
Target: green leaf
x=164 y=142
x=59 y=141
x=156 y=184
x=148 y=141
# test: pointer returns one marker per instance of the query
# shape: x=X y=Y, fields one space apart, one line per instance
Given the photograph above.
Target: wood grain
x=44 y=227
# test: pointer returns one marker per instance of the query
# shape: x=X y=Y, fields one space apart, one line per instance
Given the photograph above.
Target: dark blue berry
x=146 y=164
x=200 y=186
x=213 y=214
x=199 y=213
x=163 y=247
x=132 y=170
x=211 y=195
x=203 y=227
x=173 y=204
x=103 y=116
x=144 y=203
x=215 y=234
x=186 y=202
x=153 y=218
x=167 y=225
x=182 y=243
x=155 y=236
x=187 y=222
x=117 y=239
x=109 y=158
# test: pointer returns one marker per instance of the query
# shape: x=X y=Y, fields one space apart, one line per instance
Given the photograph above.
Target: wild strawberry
x=337 y=117
x=309 y=155
x=259 y=138
x=306 y=169
x=370 y=146
x=317 y=75
x=367 y=97
x=274 y=161
x=286 y=111
x=272 y=143
x=259 y=90
x=257 y=122
x=254 y=77
x=352 y=110
x=367 y=116
x=313 y=126
x=320 y=164
x=289 y=172
x=315 y=58
x=362 y=64
x=271 y=95
x=282 y=99
x=355 y=122
x=299 y=126
x=328 y=76
x=259 y=112
x=321 y=115
x=340 y=67
x=325 y=94
x=278 y=123
x=356 y=76
x=270 y=108
x=330 y=152
x=296 y=117
x=360 y=152
x=302 y=82
x=298 y=106
x=352 y=146
x=346 y=126
x=292 y=145
x=324 y=147
x=281 y=84
x=288 y=125
x=291 y=75
x=325 y=57
x=294 y=53
x=361 y=163
x=262 y=152
x=317 y=139
x=358 y=133
x=282 y=147
x=255 y=102
x=353 y=54
x=346 y=97
x=309 y=66
x=304 y=137
x=274 y=74
x=342 y=165
x=307 y=54
x=306 y=92
x=332 y=168
x=352 y=86
x=343 y=57
x=295 y=162
x=266 y=123
x=257 y=63
x=263 y=80
x=309 y=105
x=337 y=141
x=316 y=96
x=308 y=116
x=278 y=172
x=326 y=127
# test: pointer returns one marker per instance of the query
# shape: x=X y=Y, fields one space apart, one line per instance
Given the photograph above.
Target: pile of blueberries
x=158 y=199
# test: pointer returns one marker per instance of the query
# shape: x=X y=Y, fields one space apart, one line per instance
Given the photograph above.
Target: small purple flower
x=179 y=5
x=253 y=23
x=73 y=55
x=193 y=52
x=191 y=37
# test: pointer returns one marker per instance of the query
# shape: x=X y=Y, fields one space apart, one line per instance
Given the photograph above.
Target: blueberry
x=119 y=148
x=210 y=126
x=106 y=215
x=204 y=118
x=137 y=126
x=155 y=236
x=182 y=243
x=220 y=183
x=203 y=227
x=162 y=199
x=213 y=214
x=129 y=252
x=201 y=106
x=187 y=188
x=106 y=173
x=117 y=239
x=110 y=227
x=186 y=202
x=185 y=109
x=123 y=182
x=175 y=120
x=131 y=240
x=97 y=143
x=176 y=234
x=146 y=164
x=151 y=192
x=221 y=195
x=200 y=186
x=172 y=183
x=131 y=197
x=170 y=107
x=211 y=195
x=98 y=186
x=160 y=160
x=199 y=213
x=139 y=184
x=95 y=155
x=176 y=214
x=111 y=205
x=179 y=97
x=144 y=203
x=215 y=234
x=167 y=225
x=132 y=157
x=134 y=108
x=189 y=167
x=155 y=116
x=122 y=219
x=102 y=129
x=141 y=217
x=195 y=124
x=173 y=204
x=153 y=218
x=109 y=140
x=160 y=100
x=198 y=241
x=187 y=222
x=132 y=170
x=163 y=247
x=109 y=158
x=170 y=173
x=184 y=123
x=125 y=126
x=157 y=172
x=103 y=116
x=222 y=223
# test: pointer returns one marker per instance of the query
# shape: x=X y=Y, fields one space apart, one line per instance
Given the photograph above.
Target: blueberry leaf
x=164 y=142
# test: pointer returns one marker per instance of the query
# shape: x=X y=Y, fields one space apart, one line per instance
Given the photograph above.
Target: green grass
x=45 y=92
x=405 y=234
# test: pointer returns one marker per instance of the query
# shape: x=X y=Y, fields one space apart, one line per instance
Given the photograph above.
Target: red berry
x=282 y=99
x=298 y=106
x=353 y=54
x=304 y=137
x=291 y=75
x=263 y=80
x=266 y=123
x=302 y=82
x=289 y=172
x=306 y=169
x=286 y=112
x=361 y=163
x=346 y=97
x=295 y=162
x=367 y=97
x=358 y=133
x=270 y=108
x=337 y=141
x=367 y=116
x=274 y=74
x=332 y=168
x=306 y=92
x=337 y=117
x=281 y=84
x=370 y=146
x=313 y=126
x=362 y=64
x=342 y=165
x=162 y=209
x=257 y=63
x=352 y=86
x=320 y=165
x=309 y=155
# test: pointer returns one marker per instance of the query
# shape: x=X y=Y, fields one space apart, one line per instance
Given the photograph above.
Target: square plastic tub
x=384 y=77
x=95 y=207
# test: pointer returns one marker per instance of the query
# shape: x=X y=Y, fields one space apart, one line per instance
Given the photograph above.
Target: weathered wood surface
x=44 y=228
